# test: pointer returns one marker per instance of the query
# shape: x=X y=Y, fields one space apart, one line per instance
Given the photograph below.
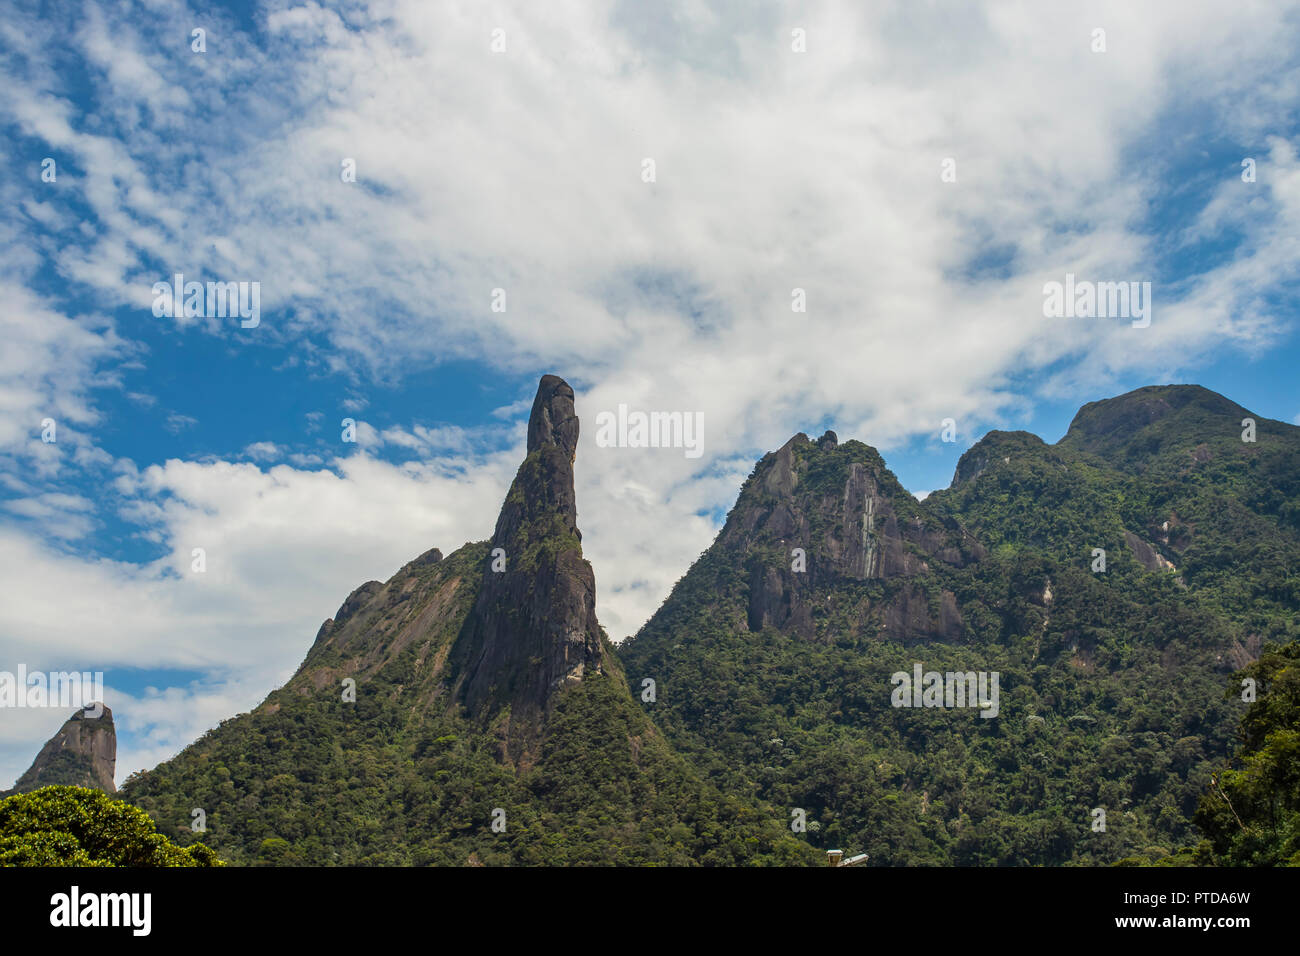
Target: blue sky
x=523 y=169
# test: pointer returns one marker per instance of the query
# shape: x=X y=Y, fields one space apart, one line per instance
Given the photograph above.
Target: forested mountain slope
x=775 y=654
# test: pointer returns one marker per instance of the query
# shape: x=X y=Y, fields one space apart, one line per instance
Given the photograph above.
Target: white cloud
x=60 y=515
x=48 y=366
x=262 y=451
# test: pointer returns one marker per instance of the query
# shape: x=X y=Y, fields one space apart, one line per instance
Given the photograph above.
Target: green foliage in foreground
x=77 y=826
x=1251 y=814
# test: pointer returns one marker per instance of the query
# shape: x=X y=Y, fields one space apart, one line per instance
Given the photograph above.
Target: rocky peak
x=816 y=515
x=840 y=503
x=553 y=420
x=430 y=557
x=496 y=627
x=82 y=754
x=533 y=629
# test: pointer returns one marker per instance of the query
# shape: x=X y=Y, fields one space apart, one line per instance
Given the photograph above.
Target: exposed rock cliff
x=82 y=754
x=533 y=629
x=817 y=516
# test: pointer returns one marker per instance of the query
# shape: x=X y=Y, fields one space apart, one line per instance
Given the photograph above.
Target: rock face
x=533 y=629
x=815 y=520
x=1147 y=556
x=82 y=754
x=495 y=627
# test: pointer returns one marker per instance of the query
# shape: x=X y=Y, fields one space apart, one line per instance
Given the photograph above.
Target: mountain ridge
x=482 y=681
x=1102 y=565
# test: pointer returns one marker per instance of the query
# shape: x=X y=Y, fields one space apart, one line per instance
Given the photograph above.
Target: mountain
x=1162 y=477
x=1136 y=427
x=1039 y=665
x=82 y=754
x=533 y=630
x=816 y=526
x=469 y=710
x=777 y=655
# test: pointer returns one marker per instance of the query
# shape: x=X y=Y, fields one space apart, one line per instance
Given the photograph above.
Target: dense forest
x=1119 y=703
x=313 y=780
x=62 y=825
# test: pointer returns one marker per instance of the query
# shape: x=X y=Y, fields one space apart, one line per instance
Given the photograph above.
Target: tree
x=1251 y=816
x=77 y=826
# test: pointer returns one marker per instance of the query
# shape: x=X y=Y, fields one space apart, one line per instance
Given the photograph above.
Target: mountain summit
x=825 y=544
x=1136 y=425
x=82 y=754
x=533 y=629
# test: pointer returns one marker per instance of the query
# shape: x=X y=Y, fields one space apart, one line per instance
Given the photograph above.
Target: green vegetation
x=1112 y=688
x=1251 y=814
x=77 y=826
x=400 y=777
x=1086 y=719
x=315 y=781
x=62 y=767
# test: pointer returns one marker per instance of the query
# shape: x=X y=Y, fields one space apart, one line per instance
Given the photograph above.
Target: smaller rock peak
x=432 y=556
x=553 y=420
x=82 y=754
x=829 y=440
